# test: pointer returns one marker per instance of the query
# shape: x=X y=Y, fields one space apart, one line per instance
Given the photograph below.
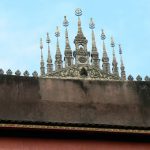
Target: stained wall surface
x=75 y=101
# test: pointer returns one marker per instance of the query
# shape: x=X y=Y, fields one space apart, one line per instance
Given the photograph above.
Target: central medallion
x=82 y=59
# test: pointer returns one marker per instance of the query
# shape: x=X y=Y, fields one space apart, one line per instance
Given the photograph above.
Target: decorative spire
x=123 y=73
x=114 y=63
x=81 y=54
x=105 y=59
x=92 y=26
x=80 y=39
x=58 y=56
x=103 y=37
x=68 y=52
x=49 y=59
x=78 y=12
x=57 y=34
x=42 y=68
x=95 y=56
x=65 y=24
x=41 y=47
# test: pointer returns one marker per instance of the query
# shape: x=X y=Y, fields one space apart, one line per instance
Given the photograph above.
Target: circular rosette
x=82 y=59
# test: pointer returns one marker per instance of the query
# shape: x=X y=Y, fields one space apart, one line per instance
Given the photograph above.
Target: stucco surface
x=75 y=101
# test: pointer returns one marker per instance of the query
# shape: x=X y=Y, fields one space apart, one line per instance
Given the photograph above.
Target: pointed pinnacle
x=79 y=27
x=57 y=48
x=65 y=22
x=57 y=33
x=112 y=42
x=120 y=52
x=120 y=49
x=67 y=39
x=91 y=24
x=41 y=47
x=93 y=41
x=41 y=44
x=79 y=23
x=48 y=39
x=49 y=59
x=103 y=36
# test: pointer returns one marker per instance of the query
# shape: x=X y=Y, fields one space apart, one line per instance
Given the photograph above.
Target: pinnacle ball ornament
x=103 y=36
x=120 y=49
x=48 y=38
x=65 y=22
x=91 y=24
x=41 y=44
x=57 y=33
x=112 y=42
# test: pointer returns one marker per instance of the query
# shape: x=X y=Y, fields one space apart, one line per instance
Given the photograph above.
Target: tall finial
x=41 y=44
x=42 y=68
x=49 y=59
x=68 y=52
x=58 y=56
x=92 y=26
x=123 y=73
x=114 y=63
x=80 y=42
x=103 y=37
x=57 y=34
x=48 y=42
x=65 y=24
x=78 y=12
x=48 y=39
x=120 y=50
x=113 y=45
x=95 y=56
x=112 y=42
x=105 y=59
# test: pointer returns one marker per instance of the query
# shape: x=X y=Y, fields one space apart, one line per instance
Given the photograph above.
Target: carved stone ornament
x=9 y=72
x=26 y=73
x=130 y=78
x=35 y=74
x=82 y=59
x=139 y=78
x=1 y=71
x=88 y=72
x=18 y=73
x=147 y=78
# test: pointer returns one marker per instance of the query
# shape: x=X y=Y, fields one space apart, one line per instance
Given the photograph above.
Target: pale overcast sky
x=24 y=22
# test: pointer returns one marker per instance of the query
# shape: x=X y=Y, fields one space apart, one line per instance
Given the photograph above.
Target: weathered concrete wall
x=75 y=101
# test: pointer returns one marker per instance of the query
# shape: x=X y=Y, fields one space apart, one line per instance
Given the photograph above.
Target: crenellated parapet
x=75 y=72
x=130 y=78
x=18 y=73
